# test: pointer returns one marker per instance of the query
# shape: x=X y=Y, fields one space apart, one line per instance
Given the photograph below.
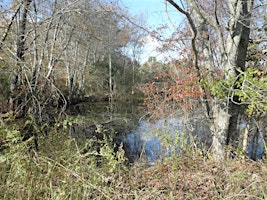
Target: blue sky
x=153 y=10
x=155 y=15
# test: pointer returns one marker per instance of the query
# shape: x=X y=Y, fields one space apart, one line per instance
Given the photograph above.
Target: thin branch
x=193 y=41
x=8 y=27
x=168 y=17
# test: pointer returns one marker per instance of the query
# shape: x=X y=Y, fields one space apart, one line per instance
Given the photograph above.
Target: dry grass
x=60 y=171
x=192 y=177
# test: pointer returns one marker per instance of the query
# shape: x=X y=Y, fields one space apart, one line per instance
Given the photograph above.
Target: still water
x=144 y=139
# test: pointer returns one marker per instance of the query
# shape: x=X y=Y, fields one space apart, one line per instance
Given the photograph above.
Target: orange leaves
x=175 y=86
x=184 y=90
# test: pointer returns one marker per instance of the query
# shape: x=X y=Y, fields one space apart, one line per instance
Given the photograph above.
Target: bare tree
x=58 y=48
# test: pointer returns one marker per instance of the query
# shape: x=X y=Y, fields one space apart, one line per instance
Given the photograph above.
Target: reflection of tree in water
x=256 y=145
x=149 y=141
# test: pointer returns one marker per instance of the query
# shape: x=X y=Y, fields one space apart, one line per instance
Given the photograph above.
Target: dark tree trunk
x=17 y=73
x=233 y=51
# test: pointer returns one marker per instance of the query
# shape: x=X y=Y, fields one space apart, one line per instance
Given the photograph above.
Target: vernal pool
x=148 y=140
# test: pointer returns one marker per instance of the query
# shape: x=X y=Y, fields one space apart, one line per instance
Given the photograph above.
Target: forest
x=75 y=94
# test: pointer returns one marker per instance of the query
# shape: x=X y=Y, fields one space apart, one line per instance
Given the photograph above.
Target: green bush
x=4 y=79
x=60 y=170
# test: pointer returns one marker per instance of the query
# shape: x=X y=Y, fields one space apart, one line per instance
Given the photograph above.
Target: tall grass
x=93 y=170
x=60 y=170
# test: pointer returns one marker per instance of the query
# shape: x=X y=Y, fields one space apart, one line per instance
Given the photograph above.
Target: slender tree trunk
x=8 y=27
x=52 y=60
x=82 y=75
x=246 y=137
x=110 y=76
x=35 y=67
x=17 y=73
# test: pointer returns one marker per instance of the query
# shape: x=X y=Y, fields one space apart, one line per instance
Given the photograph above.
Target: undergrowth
x=61 y=169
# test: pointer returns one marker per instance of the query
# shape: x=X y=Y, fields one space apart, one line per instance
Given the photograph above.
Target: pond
x=143 y=139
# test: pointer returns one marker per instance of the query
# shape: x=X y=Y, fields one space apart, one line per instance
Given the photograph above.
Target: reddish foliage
x=175 y=86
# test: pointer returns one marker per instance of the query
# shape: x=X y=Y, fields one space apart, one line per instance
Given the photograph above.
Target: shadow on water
x=144 y=140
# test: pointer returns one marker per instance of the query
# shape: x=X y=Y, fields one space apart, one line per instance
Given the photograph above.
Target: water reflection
x=146 y=142
x=256 y=147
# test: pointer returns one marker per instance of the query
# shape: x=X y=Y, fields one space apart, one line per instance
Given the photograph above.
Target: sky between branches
x=154 y=13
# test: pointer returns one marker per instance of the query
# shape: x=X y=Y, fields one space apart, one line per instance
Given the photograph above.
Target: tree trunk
x=233 y=50
x=246 y=138
x=16 y=76
x=219 y=127
x=110 y=76
x=236 y=50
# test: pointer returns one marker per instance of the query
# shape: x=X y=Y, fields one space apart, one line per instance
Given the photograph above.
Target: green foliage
x=220 y=88
x=179 y=143
x=252 y=91
x=60 y=170
x=9 y=139
x=4 y=80
x=249 y=87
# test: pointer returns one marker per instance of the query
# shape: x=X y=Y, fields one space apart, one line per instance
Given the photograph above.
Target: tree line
x=55 y=52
